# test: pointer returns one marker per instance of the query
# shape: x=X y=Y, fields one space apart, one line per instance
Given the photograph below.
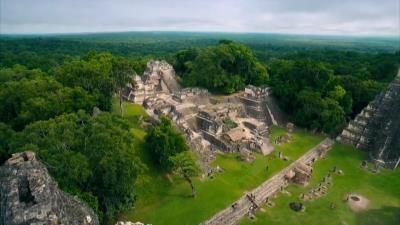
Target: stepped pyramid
x=377 y=128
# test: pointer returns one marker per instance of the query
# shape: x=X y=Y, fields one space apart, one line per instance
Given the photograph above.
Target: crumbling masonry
x=30 y=196
x=377 y=128
x=235 y=123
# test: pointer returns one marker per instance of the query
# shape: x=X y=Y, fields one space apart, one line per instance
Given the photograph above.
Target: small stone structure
x=300 y=174
x=357 y=202
x=30 y=196
x=290 y=127
x=129 y=223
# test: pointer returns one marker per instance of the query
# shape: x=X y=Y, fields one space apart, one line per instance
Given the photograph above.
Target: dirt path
x=237 y=210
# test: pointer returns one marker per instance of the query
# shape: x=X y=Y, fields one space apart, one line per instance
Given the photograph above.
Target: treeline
x=64 y=116
x=319 y=90
x=46 y=52
x=315 y=98
x=225 y=68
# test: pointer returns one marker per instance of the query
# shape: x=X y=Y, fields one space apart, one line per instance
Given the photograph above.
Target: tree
x=225 y=68
x=6 y=136
x=121 y=73
x=185 y=165
x=28 y=95
x=311 y=94
x=163 y=141
x=93 y=74
x=93 y=157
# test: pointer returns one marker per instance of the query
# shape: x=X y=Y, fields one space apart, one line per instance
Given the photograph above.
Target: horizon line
x=198 y=31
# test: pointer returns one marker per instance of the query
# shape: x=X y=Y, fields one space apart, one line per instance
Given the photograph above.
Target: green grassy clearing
x=131 y=111
x=382 y=189
x=165 y=200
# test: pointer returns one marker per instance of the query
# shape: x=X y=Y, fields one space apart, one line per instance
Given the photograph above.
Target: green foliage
x=93 y=74
x=163 y=141
x=163 y=202
x=93 y=157
x=6 y=135
x=28 y=95
x=229 y=123
x=225 y=68
x=18 y=72
x=360 y=91
x=185 y=164
x=305 y=91
x=121 y=73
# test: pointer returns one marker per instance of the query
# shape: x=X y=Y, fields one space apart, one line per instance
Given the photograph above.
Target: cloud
x=357 y=17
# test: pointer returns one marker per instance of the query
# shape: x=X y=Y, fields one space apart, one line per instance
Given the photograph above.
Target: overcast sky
x=349 y=17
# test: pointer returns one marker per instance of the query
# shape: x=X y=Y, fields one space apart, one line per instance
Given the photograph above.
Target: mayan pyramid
x=377 y=128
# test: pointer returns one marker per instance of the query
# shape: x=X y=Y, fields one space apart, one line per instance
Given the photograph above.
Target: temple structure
x=159 y=77
x=377 y=128
x=233 y=123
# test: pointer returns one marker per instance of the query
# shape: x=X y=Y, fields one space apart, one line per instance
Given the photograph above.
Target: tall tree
x=28 y=95
x=93 y=157
x=225 y=68
x=163 y=141
x=121 y=73
x=93 y=74
x=185 y=165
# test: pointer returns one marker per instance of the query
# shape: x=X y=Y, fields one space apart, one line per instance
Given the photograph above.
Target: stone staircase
x=377 y=128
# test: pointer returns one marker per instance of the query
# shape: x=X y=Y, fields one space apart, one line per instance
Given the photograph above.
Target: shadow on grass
x=387 y=215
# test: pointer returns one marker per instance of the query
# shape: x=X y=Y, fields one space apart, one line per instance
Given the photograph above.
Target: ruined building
x=234 y=123
x=260 y=105
x=159 y=77
x=377 y=128
x=28 y=195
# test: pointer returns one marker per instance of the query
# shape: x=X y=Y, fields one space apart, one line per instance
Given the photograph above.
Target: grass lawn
x=382 y=189
x=165 y=200
x=131 y=111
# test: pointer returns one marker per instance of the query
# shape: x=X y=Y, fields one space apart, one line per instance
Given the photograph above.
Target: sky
x=337 y=17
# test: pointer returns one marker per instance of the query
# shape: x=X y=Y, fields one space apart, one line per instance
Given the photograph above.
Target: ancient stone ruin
x=235 y=123
x=28 y=195
x=377 y=128
x=252 y=201
x=159 y=77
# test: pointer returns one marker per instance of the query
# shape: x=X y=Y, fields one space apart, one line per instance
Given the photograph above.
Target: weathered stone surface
x=377 y=128
x=159 y=77
x=28 y=195
x=129 y=223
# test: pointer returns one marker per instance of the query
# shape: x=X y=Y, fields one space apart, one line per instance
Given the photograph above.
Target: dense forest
x=56 y=96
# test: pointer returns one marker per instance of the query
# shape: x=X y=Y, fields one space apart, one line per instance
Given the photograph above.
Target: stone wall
x=207 y=122
x=260 y=195
x=30 y=196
